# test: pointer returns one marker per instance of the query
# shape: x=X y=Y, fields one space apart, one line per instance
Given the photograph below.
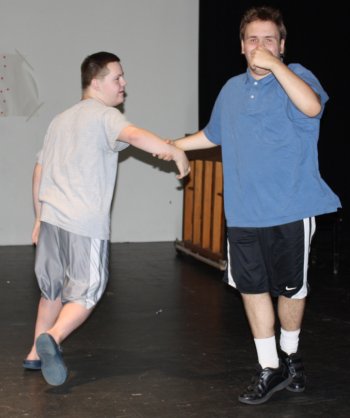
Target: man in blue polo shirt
x=267 y=123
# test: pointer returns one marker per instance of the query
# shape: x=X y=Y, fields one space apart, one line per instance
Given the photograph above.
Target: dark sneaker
x=264 y=384
x=296 y=371
x=32 y=364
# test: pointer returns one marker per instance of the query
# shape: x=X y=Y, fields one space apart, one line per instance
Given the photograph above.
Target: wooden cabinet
x=204 y=235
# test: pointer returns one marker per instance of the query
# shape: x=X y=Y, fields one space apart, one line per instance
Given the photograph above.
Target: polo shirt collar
x=265 y=80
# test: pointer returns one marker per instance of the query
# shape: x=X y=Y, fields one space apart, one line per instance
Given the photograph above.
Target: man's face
x=111 y=88
x=263 y=34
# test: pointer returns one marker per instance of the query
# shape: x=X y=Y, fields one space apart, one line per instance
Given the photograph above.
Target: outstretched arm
x=149 y=142
x=189 y=143
x=37 y=205
x=195 y=141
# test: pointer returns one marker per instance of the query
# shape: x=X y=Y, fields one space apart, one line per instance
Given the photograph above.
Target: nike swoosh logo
x=290 y=288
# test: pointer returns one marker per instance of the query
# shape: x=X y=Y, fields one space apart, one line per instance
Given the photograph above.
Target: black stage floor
x=169 y=340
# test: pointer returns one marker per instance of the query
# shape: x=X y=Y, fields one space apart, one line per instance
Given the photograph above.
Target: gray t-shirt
x=79 y=166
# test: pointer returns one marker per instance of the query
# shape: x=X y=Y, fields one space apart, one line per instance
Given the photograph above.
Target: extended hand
x=182 y=164
x=166 y=156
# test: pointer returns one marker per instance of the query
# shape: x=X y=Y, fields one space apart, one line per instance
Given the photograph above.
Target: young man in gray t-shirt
x=73 y=185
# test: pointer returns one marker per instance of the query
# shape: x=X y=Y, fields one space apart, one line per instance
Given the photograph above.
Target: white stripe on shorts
x=309 y=230
x=98 y=274
x=230 y=280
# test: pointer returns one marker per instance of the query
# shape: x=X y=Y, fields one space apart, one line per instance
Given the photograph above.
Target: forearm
x=195 y=141
x=299 y=92
x=35 y=189
x=147 y=141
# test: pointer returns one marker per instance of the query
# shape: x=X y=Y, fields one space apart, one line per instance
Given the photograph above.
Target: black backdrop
x=318 y=38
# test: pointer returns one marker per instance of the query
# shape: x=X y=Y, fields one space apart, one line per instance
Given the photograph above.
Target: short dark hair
x=265 y=13
x=95 y=66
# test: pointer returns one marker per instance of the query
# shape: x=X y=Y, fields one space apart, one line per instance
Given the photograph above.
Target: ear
x=282 y=45
x=242 y=47
x=95 y=84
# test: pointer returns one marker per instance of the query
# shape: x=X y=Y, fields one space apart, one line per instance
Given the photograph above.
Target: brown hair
x=95 y=66
x=265 y=13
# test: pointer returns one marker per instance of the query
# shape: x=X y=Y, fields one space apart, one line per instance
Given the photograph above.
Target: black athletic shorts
x=272 y=259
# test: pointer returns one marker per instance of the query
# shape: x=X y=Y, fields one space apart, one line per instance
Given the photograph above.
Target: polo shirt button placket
x=252 y=94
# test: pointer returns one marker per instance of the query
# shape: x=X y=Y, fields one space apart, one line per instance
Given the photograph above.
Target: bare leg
x=52 y=365
x=260 y=313
x=48 y=311
x=290 y=313
x=71 y=316
x=273 y=376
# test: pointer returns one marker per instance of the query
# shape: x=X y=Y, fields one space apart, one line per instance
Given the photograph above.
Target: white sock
x=267 y=352
x=289 y=341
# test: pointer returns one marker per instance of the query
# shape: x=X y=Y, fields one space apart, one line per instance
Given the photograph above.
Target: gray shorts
x=71 y=266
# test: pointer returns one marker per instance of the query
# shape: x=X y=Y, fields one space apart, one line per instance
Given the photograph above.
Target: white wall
x=157 y=41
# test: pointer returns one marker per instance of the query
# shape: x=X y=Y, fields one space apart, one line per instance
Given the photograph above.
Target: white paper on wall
x=18 y=90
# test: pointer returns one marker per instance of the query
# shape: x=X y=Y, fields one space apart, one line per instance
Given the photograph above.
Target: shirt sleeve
x=213 y=129
x=114 y=123
x=313 y=82
x=39 y=157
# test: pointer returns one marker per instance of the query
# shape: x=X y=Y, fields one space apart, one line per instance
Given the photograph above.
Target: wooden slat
x=203 y=219
x=207 y=203
x=188 y=205
x=217 y=217
x=197 y=201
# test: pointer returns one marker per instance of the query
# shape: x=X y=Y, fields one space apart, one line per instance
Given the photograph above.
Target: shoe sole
x=299 y=390
x=52 y=365
x=32 y=365
x=277 y=388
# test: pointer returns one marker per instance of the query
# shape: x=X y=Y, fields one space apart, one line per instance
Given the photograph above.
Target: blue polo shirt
x=269 y=152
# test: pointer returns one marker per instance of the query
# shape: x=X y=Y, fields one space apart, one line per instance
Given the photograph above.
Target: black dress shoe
x=265 y=383
x=32 y=364
x=296 y=371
